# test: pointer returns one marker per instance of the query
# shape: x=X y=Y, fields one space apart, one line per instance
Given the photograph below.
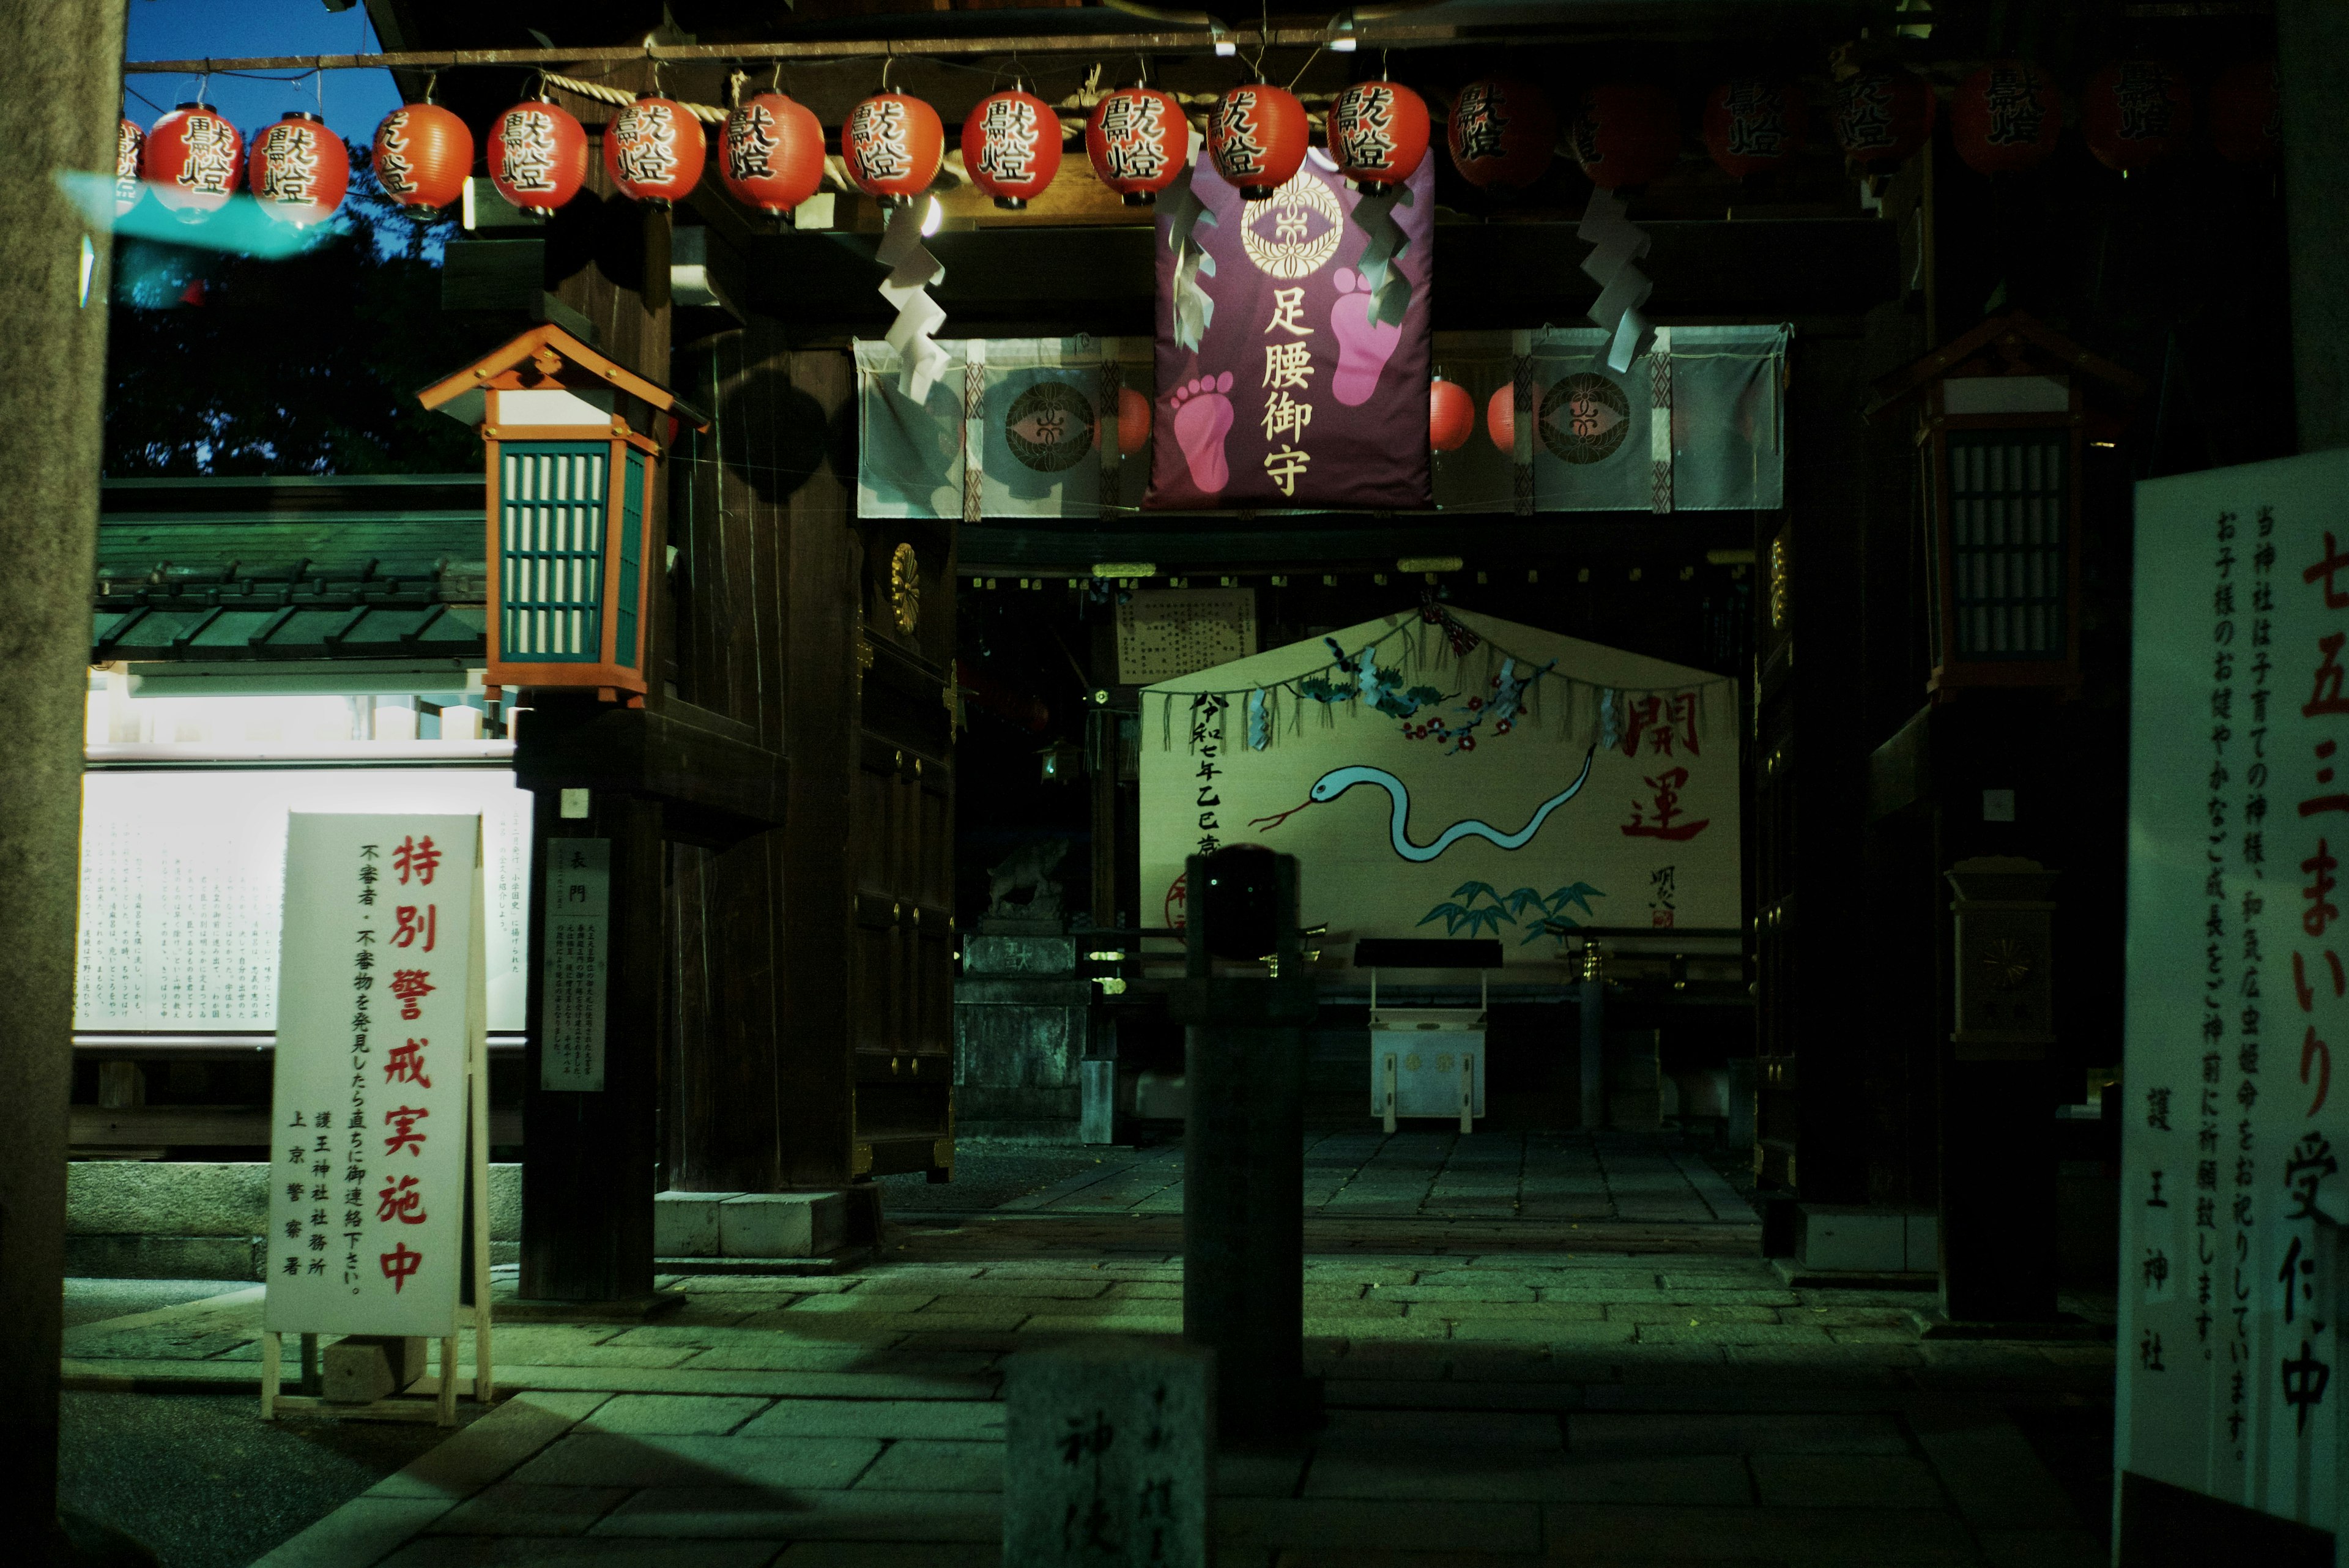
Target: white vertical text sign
x=378 y=1004
x=2239 y=825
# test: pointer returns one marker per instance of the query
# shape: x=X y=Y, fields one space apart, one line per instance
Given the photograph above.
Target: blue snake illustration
x=1338 y=780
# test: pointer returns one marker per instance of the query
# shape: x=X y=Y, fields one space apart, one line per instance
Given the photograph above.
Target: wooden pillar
x=59 y=82
x=587 y=1184
x=2312 y=65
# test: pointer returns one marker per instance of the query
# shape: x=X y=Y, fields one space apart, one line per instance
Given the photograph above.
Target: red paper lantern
x=1752 y=125
x=1256 y=135
x=2005 y=117
x=1626 y=134
x=1138 y=142
x=1451 y=415
x=654 y=150
x=422 y=154
x=2136 y=112
x=773 y=154
x=1501 y=418
x=130 y=141
x=2247 y=113
x=1011 y=147
x=1503 y=132
x=194 y=160
x=1882 y=116
x=1132 y=421
x=893 y=144
x=538 y=156
x=1378 y=132
x=300 y=169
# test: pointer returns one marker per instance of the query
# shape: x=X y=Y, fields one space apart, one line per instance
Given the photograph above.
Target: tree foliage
x=228 y=364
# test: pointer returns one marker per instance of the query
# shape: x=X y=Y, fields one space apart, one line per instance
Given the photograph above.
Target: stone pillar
x=60 y=80
x=2313 y=63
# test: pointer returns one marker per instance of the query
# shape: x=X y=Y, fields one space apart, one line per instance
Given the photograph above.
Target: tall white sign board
x=2237 y=988
x=380 y=1024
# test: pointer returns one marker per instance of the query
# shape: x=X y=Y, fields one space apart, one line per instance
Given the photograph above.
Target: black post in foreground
x=1244 y=1139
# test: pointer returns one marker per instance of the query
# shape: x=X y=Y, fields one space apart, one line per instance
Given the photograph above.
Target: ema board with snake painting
x=1609 y=797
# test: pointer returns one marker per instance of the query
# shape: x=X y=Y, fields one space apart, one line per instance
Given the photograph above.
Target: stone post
x=60 y=80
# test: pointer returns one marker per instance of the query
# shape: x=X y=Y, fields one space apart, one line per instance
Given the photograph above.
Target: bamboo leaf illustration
x=1579 y=895
x=1517 y=900
x=1469 y=891
x=1450 y=914
x=1477 y=918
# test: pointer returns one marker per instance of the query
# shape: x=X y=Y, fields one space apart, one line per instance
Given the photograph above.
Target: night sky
x=184 y=29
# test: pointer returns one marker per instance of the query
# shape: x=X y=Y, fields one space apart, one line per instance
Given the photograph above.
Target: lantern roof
x=2011 y=343
x=546 y=358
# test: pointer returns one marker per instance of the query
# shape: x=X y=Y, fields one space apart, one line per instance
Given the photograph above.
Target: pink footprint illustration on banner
x=1203 y=416
x=1364 y=346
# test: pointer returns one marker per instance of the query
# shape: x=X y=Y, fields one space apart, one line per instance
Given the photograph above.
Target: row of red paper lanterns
x=2005 y=118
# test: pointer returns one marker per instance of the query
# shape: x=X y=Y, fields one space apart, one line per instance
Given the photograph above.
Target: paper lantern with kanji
x=1626 y=133
x=1378 y=132
x=1257 y=134
x=538 y=156
x=1753 y=125
x=1503 y=133
x=422 y=154
x=892 y=147
x=130 y=141
x=1011 y=147
x=1138 y=142
x=2005 y=117
x=300 y=170
x=2135 y=113
x=654 y=150
x=1451 y=415
x=1882 y=116
x=773 y=156
x=193 y=161
x=2247 y=113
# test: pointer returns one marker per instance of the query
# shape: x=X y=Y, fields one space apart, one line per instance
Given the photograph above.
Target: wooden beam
x=678 y=754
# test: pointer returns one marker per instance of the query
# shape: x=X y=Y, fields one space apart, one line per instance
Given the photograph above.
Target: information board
x=182 y=869
x=2231 y=1142
x=380 y=1020
x=578 y=928
x=1165 y=633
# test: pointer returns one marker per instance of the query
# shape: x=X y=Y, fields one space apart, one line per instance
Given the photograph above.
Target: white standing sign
x=379 y=1022
x=2238 y=987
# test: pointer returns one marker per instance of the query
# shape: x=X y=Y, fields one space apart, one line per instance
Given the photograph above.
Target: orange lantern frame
x=572 y=530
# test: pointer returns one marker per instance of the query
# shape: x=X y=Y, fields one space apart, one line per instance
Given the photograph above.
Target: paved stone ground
x=1532 y=1176
x=1634 y=1385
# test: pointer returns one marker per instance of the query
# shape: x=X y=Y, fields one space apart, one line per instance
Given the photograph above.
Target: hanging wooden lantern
x=1011 y=147
x=193 y=161
x=1502 y=134
x=2003 y=416
x=1501 y=418
x=1378 y=132
x=1451 y=415
x=1138 y=142
x=1753 y=125
x=1257 y=134
x=2135 y=113
x=300 y=170
x=2005 y=117
x=2247 y=113
x=1626 y=134
x=422 y=154
x=892 y=146
x=574 y=538
x=654 y=150
x=538 y=156
x=1882 y=117
x=130 y=142
x=773 y=153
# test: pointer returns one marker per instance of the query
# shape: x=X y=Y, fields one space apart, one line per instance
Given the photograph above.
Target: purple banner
x=1293 y=344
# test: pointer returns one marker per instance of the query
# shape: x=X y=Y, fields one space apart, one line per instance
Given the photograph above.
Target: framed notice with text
x=2238 y=991
x=380 y=1108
